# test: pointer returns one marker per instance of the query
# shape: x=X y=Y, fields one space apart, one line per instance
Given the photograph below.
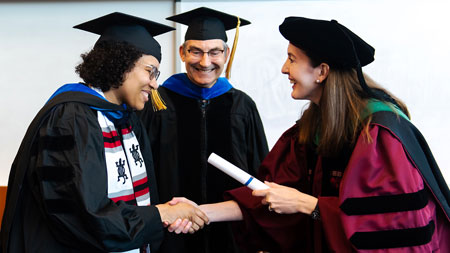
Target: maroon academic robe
x=372 y=198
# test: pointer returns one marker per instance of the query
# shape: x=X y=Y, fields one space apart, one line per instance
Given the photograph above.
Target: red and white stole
x=127 y=175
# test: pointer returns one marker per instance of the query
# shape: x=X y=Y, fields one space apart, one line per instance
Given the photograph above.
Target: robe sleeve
x=70 y=185
x=383 y=203
x=268 y=231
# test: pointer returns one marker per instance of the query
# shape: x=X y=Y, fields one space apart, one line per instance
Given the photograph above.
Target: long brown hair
x=336 y=122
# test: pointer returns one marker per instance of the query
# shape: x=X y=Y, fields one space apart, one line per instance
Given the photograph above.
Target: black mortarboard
x=328 y=41
x=207 y=24
x=121 y=27
x=334 y=44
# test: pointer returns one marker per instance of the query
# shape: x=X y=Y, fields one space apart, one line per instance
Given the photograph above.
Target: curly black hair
x=106 y=65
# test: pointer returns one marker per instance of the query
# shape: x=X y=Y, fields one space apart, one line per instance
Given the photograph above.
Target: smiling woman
x=353 y=173
x=83 y=177
x=305 y=79
x=137 y=84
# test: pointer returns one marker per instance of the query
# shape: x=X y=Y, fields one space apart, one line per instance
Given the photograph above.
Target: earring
x=317 y=81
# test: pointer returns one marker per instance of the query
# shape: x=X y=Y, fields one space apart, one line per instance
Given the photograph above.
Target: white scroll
x=236 y=173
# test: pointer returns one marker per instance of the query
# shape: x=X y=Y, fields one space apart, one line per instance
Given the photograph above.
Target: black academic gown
x=182 y=138
x=57 y=190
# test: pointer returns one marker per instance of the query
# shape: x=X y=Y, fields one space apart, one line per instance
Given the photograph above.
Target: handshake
x=181 y=215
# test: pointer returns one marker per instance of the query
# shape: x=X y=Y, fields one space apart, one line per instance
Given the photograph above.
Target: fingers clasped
x=182 y=216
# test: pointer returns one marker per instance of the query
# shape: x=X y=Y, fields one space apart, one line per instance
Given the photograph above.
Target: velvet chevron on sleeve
x=62 y=204
x=383 y=195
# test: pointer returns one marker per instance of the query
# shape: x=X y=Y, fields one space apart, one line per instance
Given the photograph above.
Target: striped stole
x=127 y=175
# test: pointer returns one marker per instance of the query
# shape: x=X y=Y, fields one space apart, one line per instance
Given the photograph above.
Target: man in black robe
x=204 y=114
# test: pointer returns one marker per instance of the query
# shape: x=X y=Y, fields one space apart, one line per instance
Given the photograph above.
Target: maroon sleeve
x=332 y=225
x=264 y=230
x=383 y=201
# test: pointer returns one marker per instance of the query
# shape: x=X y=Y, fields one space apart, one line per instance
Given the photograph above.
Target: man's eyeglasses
x=153 y=71
x=213 y=54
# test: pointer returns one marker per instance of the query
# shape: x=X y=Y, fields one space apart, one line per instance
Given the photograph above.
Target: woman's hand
x=180 y=226
x=286 y=200
x=216 y=212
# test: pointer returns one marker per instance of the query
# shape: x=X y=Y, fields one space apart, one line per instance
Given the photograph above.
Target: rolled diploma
x=236 y=173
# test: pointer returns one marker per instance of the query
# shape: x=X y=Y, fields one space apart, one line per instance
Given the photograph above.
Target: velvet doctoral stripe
x=19 y=167
x=385 y=204
x=420 y=153
x=393 y=238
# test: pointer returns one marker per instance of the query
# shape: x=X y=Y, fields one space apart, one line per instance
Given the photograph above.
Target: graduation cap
x=120 y=27
x=331 y=43
x=207 y=24
x=138 y=32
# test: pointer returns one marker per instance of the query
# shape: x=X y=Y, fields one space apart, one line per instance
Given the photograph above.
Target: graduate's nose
x=154 y=83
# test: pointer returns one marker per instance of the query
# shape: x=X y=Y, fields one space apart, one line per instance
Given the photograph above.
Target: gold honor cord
x=230 y=62
x=157 y=102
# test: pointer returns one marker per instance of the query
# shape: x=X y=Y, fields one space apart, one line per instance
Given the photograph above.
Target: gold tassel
x=230 y=62
x=157 y=102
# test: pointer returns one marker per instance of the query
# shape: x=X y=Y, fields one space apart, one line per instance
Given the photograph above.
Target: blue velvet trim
x=114 y=116
x=180 y=83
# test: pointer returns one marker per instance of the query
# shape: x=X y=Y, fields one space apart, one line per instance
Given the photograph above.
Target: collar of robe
x=119 y=116
x=180 y=83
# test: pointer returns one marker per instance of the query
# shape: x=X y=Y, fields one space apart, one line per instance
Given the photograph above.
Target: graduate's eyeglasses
x=213 y=54
x=153 y=71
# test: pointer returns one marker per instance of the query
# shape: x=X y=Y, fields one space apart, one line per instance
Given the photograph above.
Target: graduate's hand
x=286 y=200
x=177 y=227
x=176 y=200
x=170 y=214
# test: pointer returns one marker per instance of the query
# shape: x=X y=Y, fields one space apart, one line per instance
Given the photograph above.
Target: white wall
x=39 y=50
